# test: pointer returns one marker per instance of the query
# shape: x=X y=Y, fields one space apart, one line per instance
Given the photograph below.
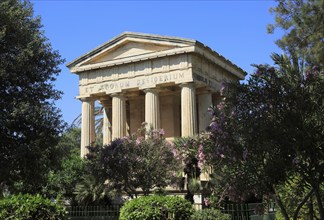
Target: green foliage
x=30 y=123
x=189 y=150
x=28 y=207
x=303 y=26
x=210 y=214
x=134 y=162
x=62 y=181
x=91 y=191
x=292 y=193
x=70 y=141
x=156 y=208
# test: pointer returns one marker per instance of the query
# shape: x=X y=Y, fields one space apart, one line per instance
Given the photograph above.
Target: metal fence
x=251 y=211
x=110 y=212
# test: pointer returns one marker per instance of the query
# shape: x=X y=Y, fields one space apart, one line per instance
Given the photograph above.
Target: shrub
x=210 y=214
x=156 y=208
x=144 y=160
x=30 y=207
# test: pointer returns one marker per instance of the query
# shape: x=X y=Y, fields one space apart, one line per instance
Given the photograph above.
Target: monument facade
x=167 y=82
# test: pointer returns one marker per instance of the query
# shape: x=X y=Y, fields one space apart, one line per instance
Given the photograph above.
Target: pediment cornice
x=132 y=59
x=132 y=37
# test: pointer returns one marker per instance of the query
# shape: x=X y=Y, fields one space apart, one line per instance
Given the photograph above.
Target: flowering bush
x=267 y=131
x=144 y=160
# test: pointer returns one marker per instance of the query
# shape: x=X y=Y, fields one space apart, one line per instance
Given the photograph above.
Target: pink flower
x=201 y=155
x=206 y=201
x=170 y=144
x=220 y=106
x=175 y=153
x=199 y=164
x=223 y=87
x=162 y=132
x=139 y=140
x=222 y=155
x=155 y=134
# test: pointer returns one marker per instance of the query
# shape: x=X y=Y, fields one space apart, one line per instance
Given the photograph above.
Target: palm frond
x=98 y=112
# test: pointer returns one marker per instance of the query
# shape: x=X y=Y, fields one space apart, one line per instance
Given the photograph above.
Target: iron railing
x=110 y=212
x=250 y=211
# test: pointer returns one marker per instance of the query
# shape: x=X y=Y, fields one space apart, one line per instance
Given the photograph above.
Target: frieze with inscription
x=141 y=82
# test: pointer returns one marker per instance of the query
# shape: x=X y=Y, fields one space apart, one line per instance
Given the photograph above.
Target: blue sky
x=235 y=29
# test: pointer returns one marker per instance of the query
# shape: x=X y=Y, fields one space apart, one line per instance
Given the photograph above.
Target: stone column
x=106 y=126
x=188 y=110
x=152 y=108
x=118 y=116
x=88 y=125
x=204 y=102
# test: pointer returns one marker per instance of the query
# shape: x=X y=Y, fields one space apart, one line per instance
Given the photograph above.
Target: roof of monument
x=154 y=38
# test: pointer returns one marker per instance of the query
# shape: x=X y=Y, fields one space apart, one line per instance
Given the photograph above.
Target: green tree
x=30 y=123
x=303 y=26
x=63 y=180
x=269 y=131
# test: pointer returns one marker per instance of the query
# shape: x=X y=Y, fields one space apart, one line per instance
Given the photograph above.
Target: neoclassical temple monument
x=167 y=82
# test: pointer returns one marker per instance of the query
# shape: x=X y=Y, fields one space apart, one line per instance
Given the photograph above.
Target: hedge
x=30 y=207
x=156 y=208
x=210 y=214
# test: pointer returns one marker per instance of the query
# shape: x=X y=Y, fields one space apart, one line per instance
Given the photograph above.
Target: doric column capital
x=202 y=91
x=106 y=102
x=152 y=90
x=188 y=85
x=86 y=99
x=119 y=95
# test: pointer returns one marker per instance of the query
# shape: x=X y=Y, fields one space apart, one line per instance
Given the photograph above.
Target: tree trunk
x=311 y=209
x=280 y=204
x=319 y=202
x=300 y=205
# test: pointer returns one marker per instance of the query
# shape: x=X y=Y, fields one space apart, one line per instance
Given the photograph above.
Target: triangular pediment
x=130 y=45
x=128 y=49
